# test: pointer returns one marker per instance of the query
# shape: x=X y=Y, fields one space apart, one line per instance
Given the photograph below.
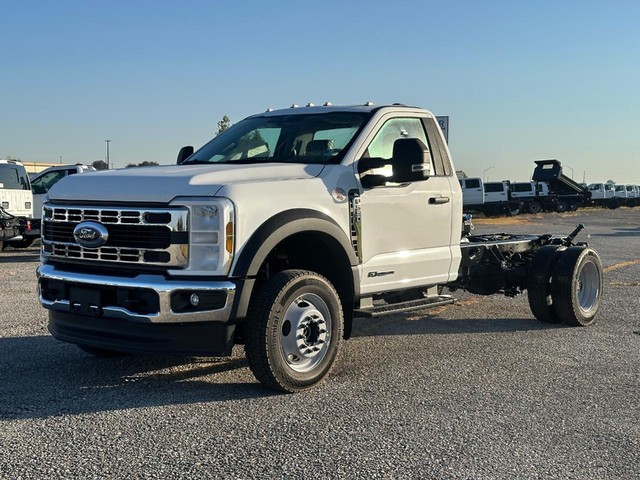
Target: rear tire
x=577 y=286
x=613 y=203
x=539 y=284
x=561 y=206
x=293 y=330
x=534 y=207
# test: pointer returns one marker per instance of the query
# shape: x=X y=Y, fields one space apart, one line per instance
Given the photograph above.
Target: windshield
x=297 y=138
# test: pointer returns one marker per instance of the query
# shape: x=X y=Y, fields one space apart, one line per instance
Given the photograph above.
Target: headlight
x=211 y=235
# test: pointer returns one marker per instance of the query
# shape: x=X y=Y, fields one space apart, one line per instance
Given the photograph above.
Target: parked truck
x=41 y=182
x=491 y=198
x=535 y=196
x=569 y=193
x=626 y=195
x=16 y=203
x=603 y=194
x=277 y=233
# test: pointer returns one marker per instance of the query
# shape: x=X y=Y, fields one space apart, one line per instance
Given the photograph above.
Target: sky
x=519 y=80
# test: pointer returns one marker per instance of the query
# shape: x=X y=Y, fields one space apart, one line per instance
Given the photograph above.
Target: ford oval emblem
x=90 y=234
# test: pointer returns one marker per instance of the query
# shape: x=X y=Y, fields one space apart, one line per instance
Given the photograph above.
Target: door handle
x=438 y=200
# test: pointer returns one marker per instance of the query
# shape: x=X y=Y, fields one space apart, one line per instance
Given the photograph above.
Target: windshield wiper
x=195 y=161
x=246 y=161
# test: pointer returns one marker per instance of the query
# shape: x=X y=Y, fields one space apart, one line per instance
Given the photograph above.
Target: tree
x=146 y=163
x=223 y=125
x=100 y=165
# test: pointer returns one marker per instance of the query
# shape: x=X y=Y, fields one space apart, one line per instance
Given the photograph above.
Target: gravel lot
x=476 y=390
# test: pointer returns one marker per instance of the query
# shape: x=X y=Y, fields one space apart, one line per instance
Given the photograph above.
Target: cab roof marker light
x=269 y=109
x=368 y=104
x=294 y=105
x=310 y=104
x=327 y=104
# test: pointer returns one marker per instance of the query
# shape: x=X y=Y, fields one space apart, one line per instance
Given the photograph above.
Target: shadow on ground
x=41 y=377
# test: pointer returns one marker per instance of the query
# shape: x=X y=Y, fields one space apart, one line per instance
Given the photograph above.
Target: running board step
x=388 y=309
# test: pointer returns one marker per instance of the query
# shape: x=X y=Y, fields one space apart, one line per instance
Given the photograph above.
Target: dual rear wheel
x=565 y=285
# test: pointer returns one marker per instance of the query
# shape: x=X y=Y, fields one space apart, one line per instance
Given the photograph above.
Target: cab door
x=406 y=229
x=41 y=184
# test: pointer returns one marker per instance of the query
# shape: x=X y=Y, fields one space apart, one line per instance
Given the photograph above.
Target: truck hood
x=163 y=183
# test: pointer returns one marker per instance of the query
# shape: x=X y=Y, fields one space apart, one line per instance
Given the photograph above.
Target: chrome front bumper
x=163 y=287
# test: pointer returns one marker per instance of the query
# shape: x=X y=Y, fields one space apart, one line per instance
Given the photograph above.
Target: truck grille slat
x=149 y=236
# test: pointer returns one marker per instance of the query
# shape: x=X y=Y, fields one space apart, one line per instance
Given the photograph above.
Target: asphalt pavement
x=475 y=390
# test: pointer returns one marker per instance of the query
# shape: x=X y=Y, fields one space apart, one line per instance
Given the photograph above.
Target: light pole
x=569 y=169
x=60 y=158
x=484 y=174
x=107 y=142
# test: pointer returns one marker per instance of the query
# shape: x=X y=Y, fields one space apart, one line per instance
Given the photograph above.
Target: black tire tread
x=564 y=276
x=538 y=285
x=534 y=207
x=262 y=307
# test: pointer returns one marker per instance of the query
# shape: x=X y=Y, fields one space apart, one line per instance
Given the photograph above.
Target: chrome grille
x=148 y=236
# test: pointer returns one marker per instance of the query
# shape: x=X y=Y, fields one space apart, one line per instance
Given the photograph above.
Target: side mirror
x=367 y=163
x=370 y=180
x=184 y=153
x=411 y=161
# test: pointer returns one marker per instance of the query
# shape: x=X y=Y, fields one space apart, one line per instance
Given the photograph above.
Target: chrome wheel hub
x=588 y=287
x=306 y=332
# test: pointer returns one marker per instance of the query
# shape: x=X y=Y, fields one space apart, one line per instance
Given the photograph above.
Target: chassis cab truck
x=16 y=203
x=276 y=234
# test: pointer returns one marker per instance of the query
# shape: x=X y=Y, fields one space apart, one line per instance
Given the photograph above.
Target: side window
x=11 y=178
x=493 y=187
x=441 y=161
x=473 y=183
x=382 y=144
x=42 y=184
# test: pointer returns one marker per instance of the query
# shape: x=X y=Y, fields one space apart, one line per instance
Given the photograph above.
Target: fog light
x=194 y=299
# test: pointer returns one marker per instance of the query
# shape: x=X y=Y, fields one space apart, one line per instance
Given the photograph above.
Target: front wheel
x=24 y=243
x=293 y=330
x=577 y=286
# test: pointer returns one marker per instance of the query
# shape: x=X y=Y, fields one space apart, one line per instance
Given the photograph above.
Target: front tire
x=293 y=330
x=24 y=243
x=577 y=286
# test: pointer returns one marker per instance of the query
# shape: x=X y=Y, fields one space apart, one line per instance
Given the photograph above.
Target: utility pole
x=484 y=173
x=107 y=142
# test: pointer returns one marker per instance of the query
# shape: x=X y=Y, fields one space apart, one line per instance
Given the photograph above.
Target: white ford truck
x=276 y=234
